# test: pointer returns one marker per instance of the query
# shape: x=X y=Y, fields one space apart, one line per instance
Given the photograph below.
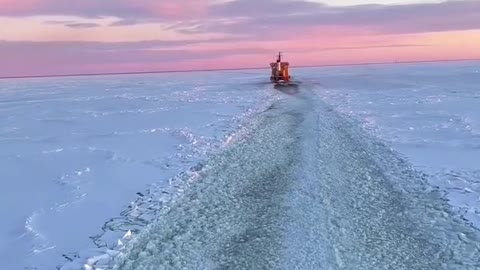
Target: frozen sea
x=358 y=168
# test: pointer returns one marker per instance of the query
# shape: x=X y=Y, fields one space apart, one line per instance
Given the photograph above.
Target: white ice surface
x=75 y=151
x=430 y=113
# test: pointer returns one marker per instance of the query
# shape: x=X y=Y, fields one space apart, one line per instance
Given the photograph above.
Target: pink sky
x=43 y=37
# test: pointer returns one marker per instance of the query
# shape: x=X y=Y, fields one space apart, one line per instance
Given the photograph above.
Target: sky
x=47 y=37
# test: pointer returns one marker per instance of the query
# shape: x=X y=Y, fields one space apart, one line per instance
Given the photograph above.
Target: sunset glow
x=43 y=37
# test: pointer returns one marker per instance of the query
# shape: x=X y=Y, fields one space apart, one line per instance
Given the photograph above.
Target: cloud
x=62 y=22
x=73 y=24
x=82 y=25
x=42 y=29
x=44 y=58
x=7 y=47
x=12 y=7
x=258 y=18
x=340 y=48
x=163 y=9
x=125 y=22
x=81 y=53
x=277 y=16
x=242 y=31
x=57 y=57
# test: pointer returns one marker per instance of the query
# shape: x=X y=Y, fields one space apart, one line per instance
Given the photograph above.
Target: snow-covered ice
x=430 y=113
x=242 y=174
x=75 y=152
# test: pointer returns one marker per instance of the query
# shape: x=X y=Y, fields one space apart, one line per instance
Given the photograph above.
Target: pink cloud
x=309 y=33
x=15 y=6
x=269 y=18
x=120 y=8
x=34 y=58
x=178 y=8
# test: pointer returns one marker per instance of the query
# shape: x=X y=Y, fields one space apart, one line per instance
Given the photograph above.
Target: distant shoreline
x=228 y=69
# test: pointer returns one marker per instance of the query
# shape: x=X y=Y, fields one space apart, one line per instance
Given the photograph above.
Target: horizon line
x=229 y=69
